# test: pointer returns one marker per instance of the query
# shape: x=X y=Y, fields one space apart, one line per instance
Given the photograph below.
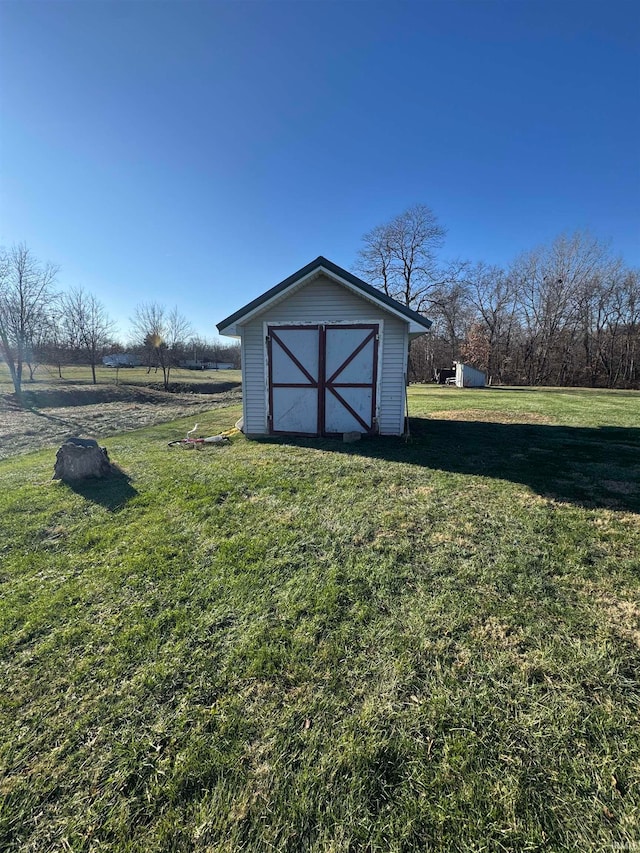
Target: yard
x=302 y=645
x=121 y=400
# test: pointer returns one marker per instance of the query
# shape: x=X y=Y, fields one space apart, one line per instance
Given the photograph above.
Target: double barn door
x=322 y=378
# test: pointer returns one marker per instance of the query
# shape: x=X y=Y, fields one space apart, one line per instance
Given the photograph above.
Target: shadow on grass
x=591 y=467
x=34 y=399
x=111 y=492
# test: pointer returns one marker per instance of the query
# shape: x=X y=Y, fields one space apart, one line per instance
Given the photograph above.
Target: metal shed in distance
x=324 y=353
x=469 y=377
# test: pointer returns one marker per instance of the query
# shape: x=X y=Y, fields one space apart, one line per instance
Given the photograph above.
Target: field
x=54 y=409
x=423 y=645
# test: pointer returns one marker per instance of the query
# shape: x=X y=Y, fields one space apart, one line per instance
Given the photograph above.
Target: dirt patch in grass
x=50 y=416
x=490 y=416
x=498 y=633
x=622 y=614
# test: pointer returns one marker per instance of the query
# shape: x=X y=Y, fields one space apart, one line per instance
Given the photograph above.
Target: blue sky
x=196 y=153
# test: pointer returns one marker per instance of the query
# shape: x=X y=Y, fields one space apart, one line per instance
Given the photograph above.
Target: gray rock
x=81 y=458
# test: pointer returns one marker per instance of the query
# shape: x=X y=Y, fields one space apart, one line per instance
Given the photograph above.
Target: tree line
x=566 y=313
x=40 y=324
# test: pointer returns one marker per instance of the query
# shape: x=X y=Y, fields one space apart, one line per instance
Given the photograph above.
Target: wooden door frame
x=313 y=383
x=322 y=385
x=329 y=385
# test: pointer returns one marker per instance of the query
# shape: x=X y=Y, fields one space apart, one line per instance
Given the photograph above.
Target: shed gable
x=321 y=300
x=323 y=268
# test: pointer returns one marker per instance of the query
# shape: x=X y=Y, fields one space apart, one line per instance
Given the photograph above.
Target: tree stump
x=81 y=458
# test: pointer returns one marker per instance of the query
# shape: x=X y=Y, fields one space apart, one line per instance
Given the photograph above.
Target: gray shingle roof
x=320 y=261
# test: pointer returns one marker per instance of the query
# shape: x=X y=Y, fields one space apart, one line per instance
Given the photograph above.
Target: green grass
x=46 y=377
x=311 y=646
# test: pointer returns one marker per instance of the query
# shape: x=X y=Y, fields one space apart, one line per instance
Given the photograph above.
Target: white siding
x=324 y=301
x=394 y=366
x=254 y=379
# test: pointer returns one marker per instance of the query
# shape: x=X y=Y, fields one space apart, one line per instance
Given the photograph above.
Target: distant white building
x=122 y=359
x=469 y=377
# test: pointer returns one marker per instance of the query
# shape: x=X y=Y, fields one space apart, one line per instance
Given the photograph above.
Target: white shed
x=324 y=353
x=469 y=377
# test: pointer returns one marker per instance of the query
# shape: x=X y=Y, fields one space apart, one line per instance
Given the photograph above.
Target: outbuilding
x=324 y=353
x=469 y=377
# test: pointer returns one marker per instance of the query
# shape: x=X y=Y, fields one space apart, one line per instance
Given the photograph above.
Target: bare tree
x=228 y=353
x=400 y=257
x=549 y=281
x=450 y=306
x=162 y=333
x=177 y=332
x=629 y=300
x=202 y=350
x=147 y=324
x=26 y=296
x=564 y=313
x=612 y=338
x=491 y=294
x=38 y=349
x=89 y=329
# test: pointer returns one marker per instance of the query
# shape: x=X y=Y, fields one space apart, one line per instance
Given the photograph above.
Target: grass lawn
x=46 y=377
x=430 y=645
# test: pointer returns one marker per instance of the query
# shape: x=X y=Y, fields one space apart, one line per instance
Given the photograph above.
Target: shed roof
x=417 y=323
